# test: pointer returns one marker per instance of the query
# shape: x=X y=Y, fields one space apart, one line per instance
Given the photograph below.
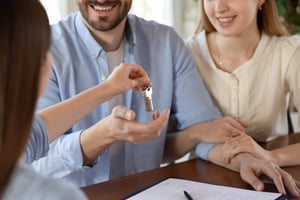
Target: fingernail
x=128 y=114
x=259 y=187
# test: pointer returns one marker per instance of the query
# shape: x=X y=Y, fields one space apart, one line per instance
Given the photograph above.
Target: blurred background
x=182 y=15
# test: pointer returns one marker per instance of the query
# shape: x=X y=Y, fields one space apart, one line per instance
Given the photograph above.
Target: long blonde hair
x=267 y=20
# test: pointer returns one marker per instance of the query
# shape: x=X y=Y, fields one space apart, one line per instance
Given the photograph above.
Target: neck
x=229 y=52
x=109 y=40
x=240 y=44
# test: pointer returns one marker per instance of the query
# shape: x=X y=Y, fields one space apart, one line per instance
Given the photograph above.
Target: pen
x=187 y=195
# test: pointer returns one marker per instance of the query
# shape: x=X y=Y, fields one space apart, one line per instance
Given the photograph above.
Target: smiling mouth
x=225 y=19
x=102 y=8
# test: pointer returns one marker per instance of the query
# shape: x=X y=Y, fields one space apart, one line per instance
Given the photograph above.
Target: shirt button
x=103 y=78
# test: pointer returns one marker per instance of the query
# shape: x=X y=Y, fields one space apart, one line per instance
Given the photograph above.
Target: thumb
x=123 y=112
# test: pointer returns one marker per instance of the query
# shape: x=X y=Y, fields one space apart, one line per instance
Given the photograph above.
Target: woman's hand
x=128 y=76
x=252 y=168
x=219 y=130
x=243 y=144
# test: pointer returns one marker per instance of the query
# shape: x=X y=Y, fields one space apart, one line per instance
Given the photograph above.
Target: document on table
x=173 y=188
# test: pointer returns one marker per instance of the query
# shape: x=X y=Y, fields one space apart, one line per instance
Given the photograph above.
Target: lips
x=102 y=8
x=227 y=20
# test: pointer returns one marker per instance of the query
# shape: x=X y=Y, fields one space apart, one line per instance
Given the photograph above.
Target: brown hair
x=267 y=20
x=25 y=40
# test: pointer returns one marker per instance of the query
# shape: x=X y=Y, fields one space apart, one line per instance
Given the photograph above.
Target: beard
x=105 y=23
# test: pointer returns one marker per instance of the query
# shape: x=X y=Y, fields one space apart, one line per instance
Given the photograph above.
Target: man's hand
x=218 y=130
x=120 y=126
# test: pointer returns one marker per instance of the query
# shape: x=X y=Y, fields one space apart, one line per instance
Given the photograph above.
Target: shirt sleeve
x=202 y=150
x=193 y=102
x=38 y=143
x=64 y=155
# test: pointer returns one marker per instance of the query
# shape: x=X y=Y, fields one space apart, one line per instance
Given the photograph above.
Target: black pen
x=188 y=196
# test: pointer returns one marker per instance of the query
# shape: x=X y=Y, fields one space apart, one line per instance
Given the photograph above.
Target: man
x=86 y=47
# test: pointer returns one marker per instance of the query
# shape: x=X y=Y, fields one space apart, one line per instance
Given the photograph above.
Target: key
x=147 y=94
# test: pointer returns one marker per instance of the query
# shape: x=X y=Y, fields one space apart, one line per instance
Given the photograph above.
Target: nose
x=221 y=6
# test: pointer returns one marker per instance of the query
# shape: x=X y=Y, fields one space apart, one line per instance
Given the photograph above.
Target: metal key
x=147 y=94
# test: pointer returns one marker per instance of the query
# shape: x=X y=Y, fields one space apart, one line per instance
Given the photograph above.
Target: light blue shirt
x=38 y=144
x=79 y=63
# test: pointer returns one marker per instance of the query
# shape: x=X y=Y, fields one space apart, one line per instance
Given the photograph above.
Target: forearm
x=178 y=144
x=60 y=117
x=286 y=156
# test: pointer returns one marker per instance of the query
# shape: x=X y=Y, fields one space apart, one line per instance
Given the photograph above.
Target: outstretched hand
x=123 y=127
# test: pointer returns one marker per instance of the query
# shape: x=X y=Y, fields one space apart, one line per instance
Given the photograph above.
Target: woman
x=250 y=67
x=25 y=40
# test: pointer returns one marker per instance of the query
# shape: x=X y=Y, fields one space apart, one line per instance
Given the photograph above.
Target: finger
x=252 y=179
x=237 y=145
x=155 y=115
x=243 y=123
x=161 y=118
x=232 y=148
x=276 y=176
x=226 y=156
x=236 y=125
x=141 y=82
x=146 y=131
x=298 y=184
x=153 y=126
x=137 y=71
x=123 y=112
x=290 y=184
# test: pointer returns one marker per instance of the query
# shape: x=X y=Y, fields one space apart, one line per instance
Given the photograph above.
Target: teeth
x=225 y=19
x=102 y=8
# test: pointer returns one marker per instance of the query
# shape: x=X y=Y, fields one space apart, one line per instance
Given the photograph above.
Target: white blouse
x=257 y=90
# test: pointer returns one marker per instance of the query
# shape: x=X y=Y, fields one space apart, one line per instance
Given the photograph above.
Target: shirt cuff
x=71 y=153
x=202 y=150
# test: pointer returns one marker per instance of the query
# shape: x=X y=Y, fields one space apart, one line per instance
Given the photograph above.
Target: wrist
x=111 y=87
x=194 y=133
x=274 y=156
x=94 y=141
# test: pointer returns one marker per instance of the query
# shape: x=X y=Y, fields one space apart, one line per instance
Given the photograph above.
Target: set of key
x=147 y=94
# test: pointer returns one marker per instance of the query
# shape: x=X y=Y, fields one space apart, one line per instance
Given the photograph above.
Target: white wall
x=58 y=9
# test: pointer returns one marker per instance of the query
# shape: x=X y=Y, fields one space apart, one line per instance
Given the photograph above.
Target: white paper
x=172 y=189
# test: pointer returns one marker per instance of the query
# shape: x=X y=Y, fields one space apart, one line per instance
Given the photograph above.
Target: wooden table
x=196 y=169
